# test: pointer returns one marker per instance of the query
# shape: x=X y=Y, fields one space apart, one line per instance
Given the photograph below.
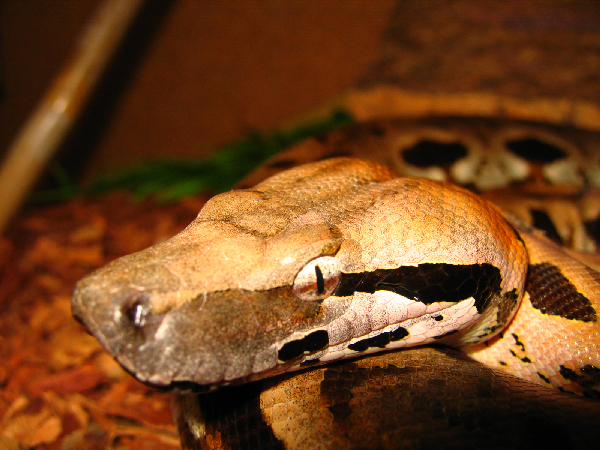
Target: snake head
x=321 y=262
x=199 y=307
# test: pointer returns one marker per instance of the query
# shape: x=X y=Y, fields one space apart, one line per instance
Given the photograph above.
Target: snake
x=464 y=242
x=338 y=259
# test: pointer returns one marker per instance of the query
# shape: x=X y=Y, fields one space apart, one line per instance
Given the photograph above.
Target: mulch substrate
x=58 y=388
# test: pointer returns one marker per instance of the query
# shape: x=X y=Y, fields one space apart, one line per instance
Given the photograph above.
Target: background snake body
x=333 y=260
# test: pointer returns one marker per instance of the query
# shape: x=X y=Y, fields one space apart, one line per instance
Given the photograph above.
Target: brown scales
x=552 y=293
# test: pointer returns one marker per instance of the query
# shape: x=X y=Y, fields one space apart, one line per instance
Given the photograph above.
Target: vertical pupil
x=320 y=280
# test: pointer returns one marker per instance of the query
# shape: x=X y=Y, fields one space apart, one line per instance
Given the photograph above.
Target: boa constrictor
x=341 y=258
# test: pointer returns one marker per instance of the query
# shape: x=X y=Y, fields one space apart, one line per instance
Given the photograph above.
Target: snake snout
x=199 y=342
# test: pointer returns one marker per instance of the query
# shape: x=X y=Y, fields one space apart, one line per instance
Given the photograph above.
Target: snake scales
x=307 y=268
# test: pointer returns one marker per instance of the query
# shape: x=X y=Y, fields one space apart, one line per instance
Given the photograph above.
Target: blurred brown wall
x=36 y=39
x=212 y=71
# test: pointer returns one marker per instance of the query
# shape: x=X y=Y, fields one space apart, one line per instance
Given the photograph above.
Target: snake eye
x=318 y=279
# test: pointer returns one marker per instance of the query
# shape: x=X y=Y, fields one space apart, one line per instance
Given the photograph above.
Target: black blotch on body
x=517 y=342
x=542 y=221
x=339 y=381
x=543 y=377
x=536 y=151
x=552 y=293
x=336 y=389
x=525 y=359
x=429 y=283
x=588 y=377
x=234 y=413
x=428 y=153
x=315 y=341
x=380 y=341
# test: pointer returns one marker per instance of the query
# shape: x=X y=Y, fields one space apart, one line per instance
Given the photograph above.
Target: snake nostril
x=137 y=309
